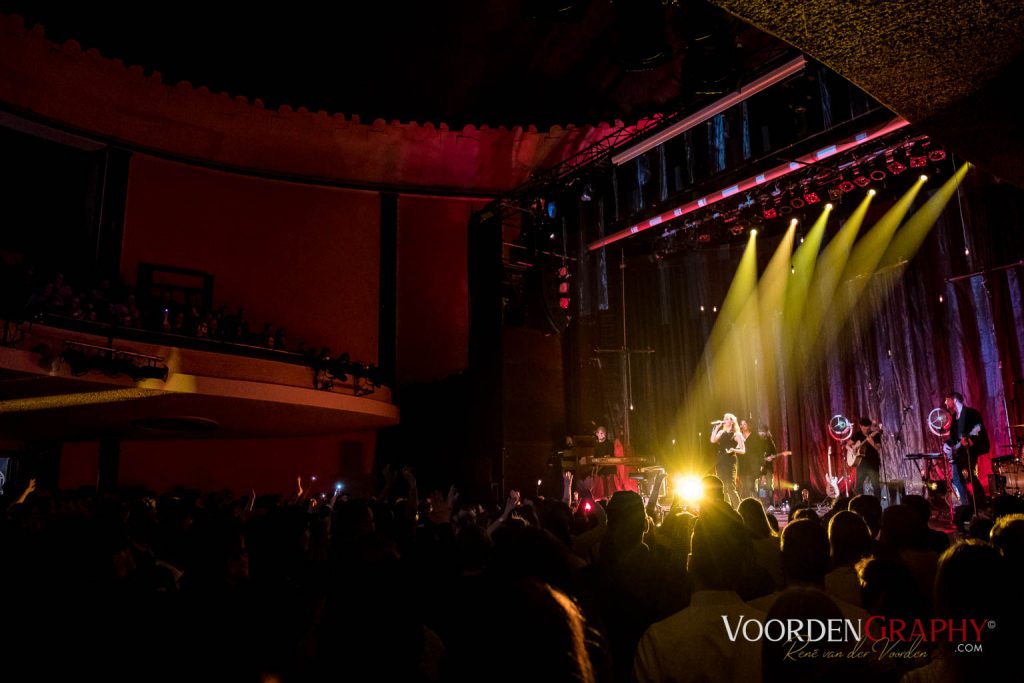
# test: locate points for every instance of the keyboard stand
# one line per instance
(931, 467)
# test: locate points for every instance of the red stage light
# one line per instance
(847, 186)
(895, 167)
(770, 213)
(563, 287)
(861, 181)
(918, 161)
(811, 197)
(563, 303)
(704, 237)
(796, 203)
(877, 175)
(937, 155)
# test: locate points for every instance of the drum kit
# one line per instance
(1008, 469)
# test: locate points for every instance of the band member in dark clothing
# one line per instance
(727, 436)
(605, 448)
(751, 462)
(865, 443)
(770, 464)
(967, 441)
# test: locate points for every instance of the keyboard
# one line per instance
(922, 456)
(613, 461)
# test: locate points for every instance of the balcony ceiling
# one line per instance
(948, 67)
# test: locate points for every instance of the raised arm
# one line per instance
(716, 433)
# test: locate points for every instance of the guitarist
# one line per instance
(865, 443)
(751, 462)
(967, 441)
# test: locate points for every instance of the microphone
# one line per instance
(718, 422)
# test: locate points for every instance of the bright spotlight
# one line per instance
(753, 233)
(871, 193)
(688, 487)
(924, 178)
(828, 207)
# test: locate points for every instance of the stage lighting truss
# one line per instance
(84, 358)
(877, 162)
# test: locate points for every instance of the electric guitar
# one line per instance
(951, 451)
(855, 451)
(780, 454)
(831, 483)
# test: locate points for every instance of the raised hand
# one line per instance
(440, 509)
(409, 477)
(513, 501)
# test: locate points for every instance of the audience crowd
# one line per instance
(401, 586)
(24, 294)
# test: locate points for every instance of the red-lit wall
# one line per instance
(433, 288)
(302, 256)
(266, 465)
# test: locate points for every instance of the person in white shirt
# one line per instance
(694, 644)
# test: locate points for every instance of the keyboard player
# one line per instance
(605, 448)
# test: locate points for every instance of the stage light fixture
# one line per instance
(797, 203)
(894, 165)
(917, 157)
(937, 155)
(770, 213)
(785, 210)
(812, 197)
(860, 180)
(878, 175)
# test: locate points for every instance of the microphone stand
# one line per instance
(971, 478)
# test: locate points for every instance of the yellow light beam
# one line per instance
(863, 263)
(827, 273)
(913, 233)
(797, 291)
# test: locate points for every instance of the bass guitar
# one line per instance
(831, 483)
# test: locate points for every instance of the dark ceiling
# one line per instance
(950, 68)
(494, 62)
